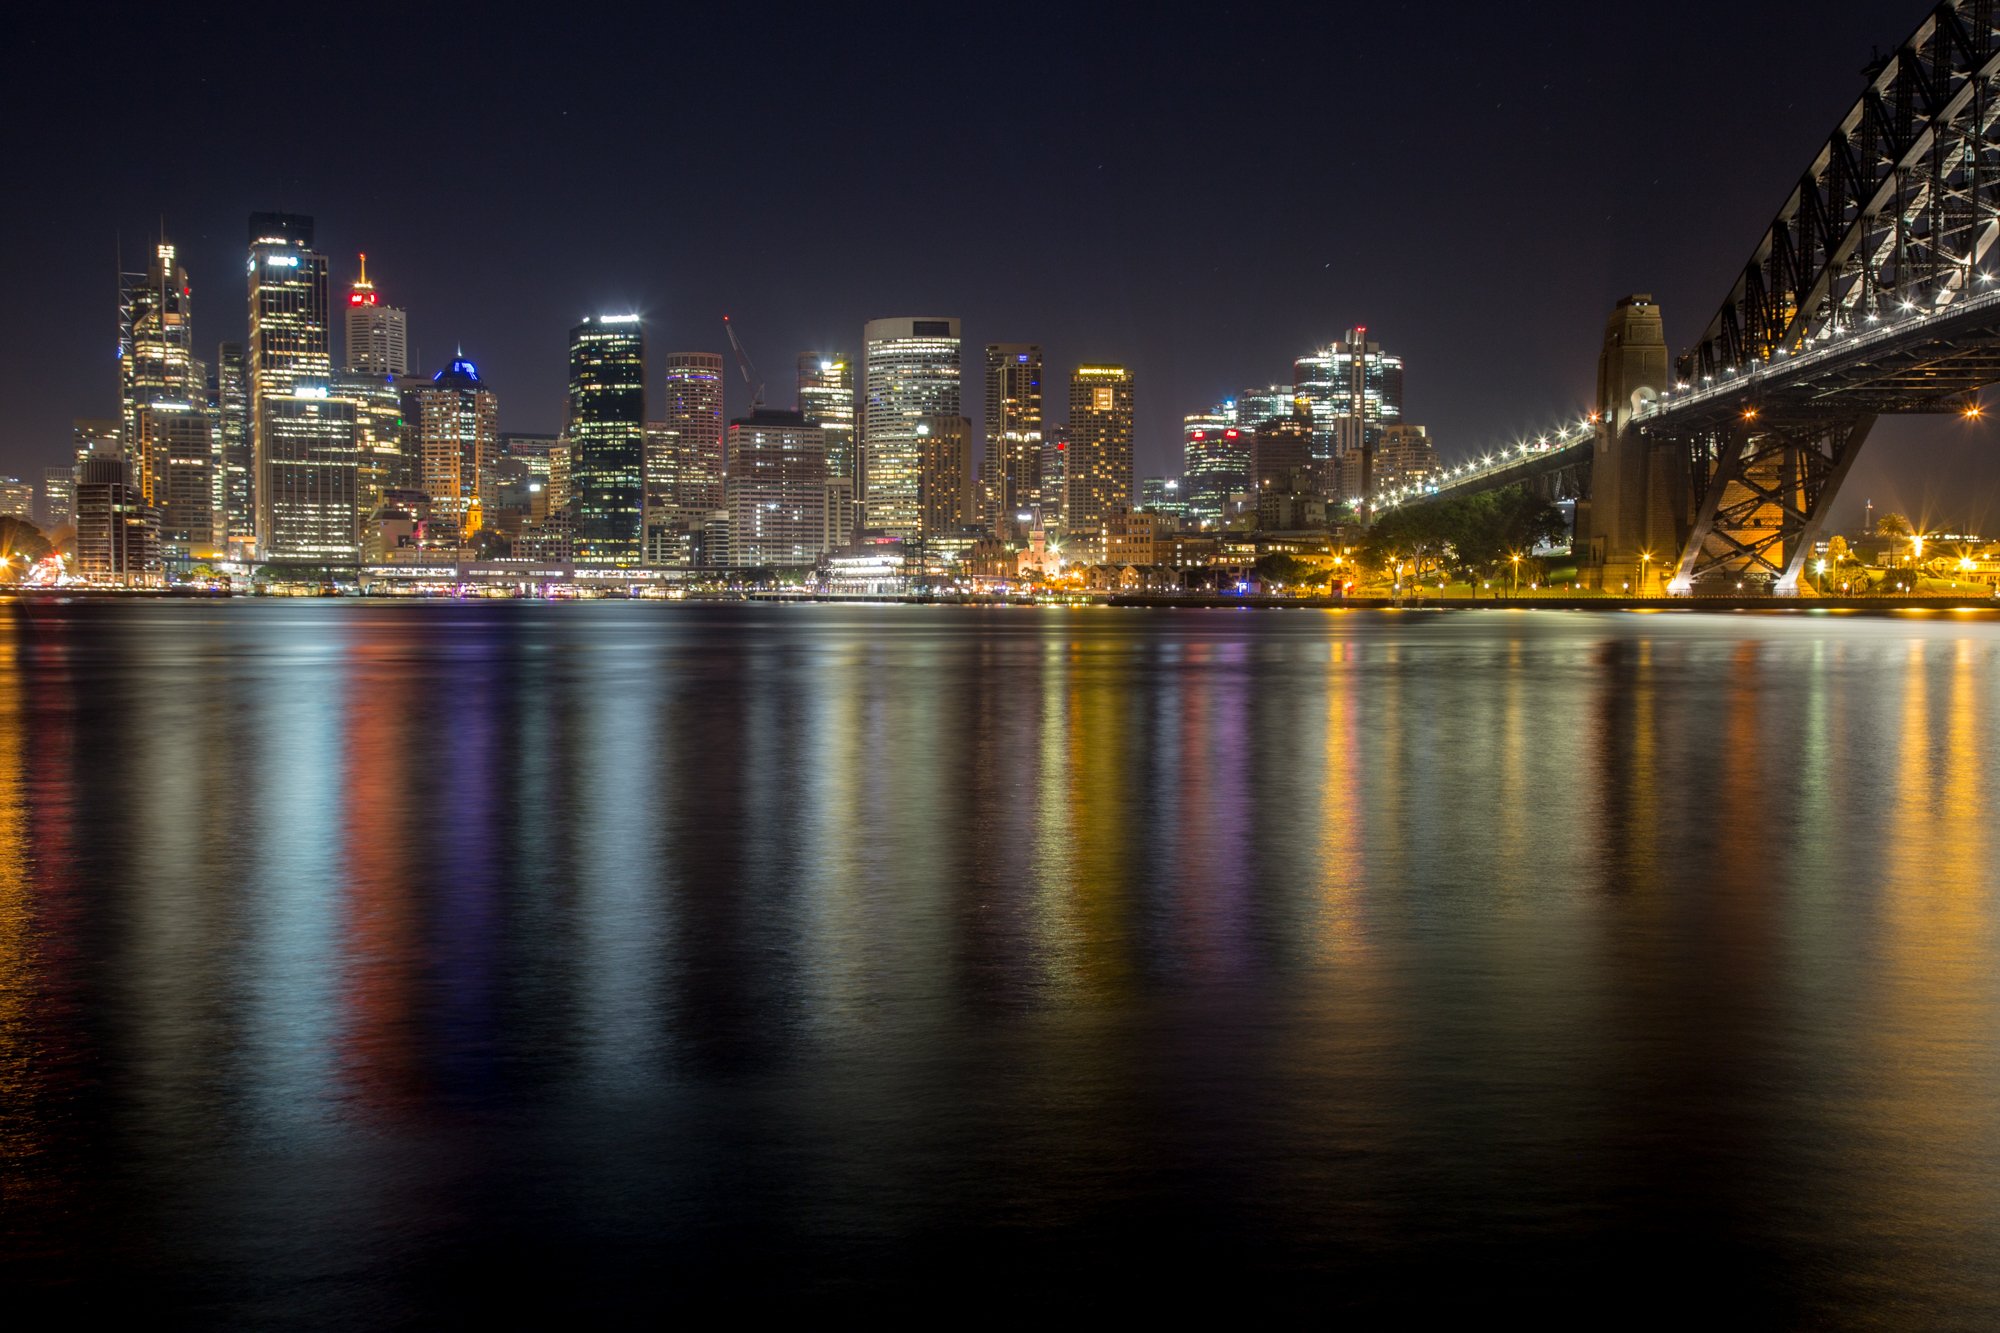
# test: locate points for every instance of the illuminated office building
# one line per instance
(378, 335)
(826, 400)
(910, 371)
(174, 451)
(58, 498)
(17, 499)
(167, 432)
(379, 434)
(1352, 391)
(156, 360)
(606, 438)
(1280, 451)
(776, 492)
(114, 533)
(454, 432)
(305, 484)
(1013, 460)
(307, 504)
(229, 409)
(946, 494)
(1162, 495)
(1253, 407)
(691, 438)
(1215, 467)
(1101, 475)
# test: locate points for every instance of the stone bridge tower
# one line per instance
(1630, 513)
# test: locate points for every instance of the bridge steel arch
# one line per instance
(1870, 292)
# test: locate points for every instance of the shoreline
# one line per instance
(1141, 601)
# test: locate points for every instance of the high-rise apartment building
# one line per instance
(378, 335)
(1101, 475)
(1405, 457)
(1281, 450)
(454, 432)
(305, 487)
(1352, 391)
(910, 371)
(1013, 460)
(946, 490)
(606, 437)
(380, 431)
(776, 491)
(691, 440)
(1053, 494)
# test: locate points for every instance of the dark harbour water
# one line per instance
(375, 963)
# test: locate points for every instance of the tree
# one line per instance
(21, 545)
(1893, 524)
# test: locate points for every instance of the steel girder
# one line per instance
(1761, 494)
(1897, 211)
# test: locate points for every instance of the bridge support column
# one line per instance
(1618, 531)
(1761, 494)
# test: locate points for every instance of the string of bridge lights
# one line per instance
(1568, 436)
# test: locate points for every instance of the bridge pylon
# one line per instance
(1626, 525)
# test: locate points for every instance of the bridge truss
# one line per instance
(1872, 291)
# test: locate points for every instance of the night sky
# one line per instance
(1201, 192)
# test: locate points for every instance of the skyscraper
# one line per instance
(911, 370)
(1353, 391)
(945, 475)
(1216, 467)
(454, 426)
(17, 499)
(156, 349)
(1013, 431)
(378, 335)
(776, 490)
(305, 484)
(58, 498)
(229, 403)
(692, 437)
(1100, 446)
(826, 400)
(606, 438)
(168, 434)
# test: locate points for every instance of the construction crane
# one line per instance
(750, 380)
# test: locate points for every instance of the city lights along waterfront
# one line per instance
(867, 667)
(431, 960)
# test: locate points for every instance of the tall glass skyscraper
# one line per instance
(606, 435)
(303, 443)
(1352, 390)
(229, 402)
(168, 432)
(911, 371)
(1013, 462)
(826, 400)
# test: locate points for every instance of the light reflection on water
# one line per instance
(350, 954)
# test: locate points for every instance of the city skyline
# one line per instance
(1499, 329)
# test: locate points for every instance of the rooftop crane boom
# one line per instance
(750, 380)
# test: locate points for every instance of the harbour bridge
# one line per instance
(1873, 291)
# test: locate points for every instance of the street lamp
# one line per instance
(1517, 573)
(1645, 570)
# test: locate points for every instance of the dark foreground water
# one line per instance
(379, 963)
